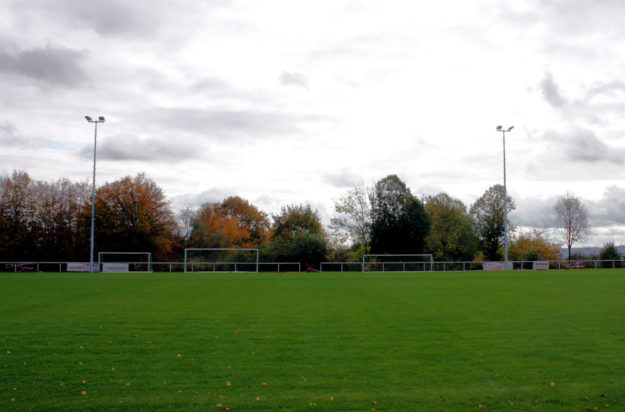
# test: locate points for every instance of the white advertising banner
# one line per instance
(493, 265)
(115, 267)
(541, 265)
(78, 266)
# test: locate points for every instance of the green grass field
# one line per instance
(548, 341)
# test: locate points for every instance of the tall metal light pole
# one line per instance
(505, 194)
(101, 119)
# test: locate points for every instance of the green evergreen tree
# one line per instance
(400, 222)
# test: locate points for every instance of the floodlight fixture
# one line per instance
(505, 194)
(95, 140)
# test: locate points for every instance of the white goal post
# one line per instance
(220, 260)
(124, 262)
(415, 262)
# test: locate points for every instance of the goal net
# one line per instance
(204, 260)
(397, 263)
(124, 262)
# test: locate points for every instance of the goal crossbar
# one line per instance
(216, 263)
(396, 261)
(147, 264)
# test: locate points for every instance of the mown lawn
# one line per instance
(548, 341)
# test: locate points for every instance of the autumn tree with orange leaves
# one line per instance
(533, 246)
(233, 223)
(132, 215)
(248, 218)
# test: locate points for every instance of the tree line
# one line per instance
(50, 221)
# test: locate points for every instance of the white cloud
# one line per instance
(218, 98)
(293, 79)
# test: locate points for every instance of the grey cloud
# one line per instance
(551, 91)
(428, 190)
(344, 178)
(596, 106)
(583, 145)
(10, 136)
(115, 17)
(233, 123)
(293, 79)
(213, 85)
(268, 202)
(216, 88)
(582, 16)
(565, 18)
(534, 212)
(213, 195)
(123, 147)
(610, 209)
(612, 88)
(110, 17)
(603, 213)
(56, 66)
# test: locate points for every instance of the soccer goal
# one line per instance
(397, 262)
(209, 260)
(124, 262)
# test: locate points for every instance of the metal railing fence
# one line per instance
(466, 266)
(52, 266)
(35, 266)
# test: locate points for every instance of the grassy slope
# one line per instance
(440, 341)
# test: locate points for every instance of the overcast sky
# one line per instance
(287, 102)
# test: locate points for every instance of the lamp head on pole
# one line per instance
(509, 128)
(101, 119)
(499, 128)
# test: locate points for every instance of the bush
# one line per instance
(609, 252)
(310, 248)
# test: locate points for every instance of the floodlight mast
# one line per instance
(101, 119)
(505, 195)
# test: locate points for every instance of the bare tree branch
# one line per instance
(572, 219)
